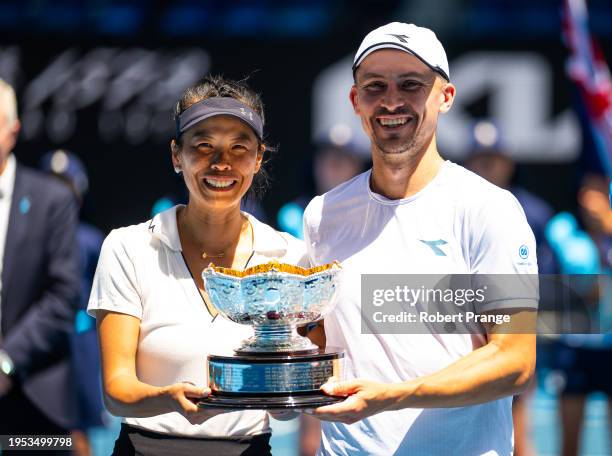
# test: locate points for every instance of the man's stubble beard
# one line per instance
(409, 150)
(401, 149)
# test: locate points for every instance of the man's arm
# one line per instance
(44, 327)
(503, 367)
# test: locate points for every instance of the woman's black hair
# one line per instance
(217, 86)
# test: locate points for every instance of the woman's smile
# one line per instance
(218, 183)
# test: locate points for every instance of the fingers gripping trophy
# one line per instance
(276, 368)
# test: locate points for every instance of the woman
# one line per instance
(155, 323)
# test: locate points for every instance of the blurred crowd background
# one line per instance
(96, 80)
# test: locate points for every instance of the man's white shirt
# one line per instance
(474, 228)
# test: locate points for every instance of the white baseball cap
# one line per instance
(418, 41)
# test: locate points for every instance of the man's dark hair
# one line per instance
(217, 86)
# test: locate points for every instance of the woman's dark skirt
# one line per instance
(139, 442)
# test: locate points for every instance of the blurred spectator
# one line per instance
(336, 160)
(39, 291)
(596, 214)
(488, 159)
(163, 203)
(84, 342)
(582, 361)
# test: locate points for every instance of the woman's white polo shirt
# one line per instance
(141, 272)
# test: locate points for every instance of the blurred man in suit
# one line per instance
(69, 169)
(39, 287)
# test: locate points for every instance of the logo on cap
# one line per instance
(244, 113)
(402, 38)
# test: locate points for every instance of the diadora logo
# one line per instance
(523, 251)
(402, 38)
(435, 246)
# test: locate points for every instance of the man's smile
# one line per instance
(393, 122)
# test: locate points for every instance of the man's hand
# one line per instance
(6, 384)
(364, 398)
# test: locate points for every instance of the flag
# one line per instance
(587, 68)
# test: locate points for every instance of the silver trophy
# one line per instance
(276, 367)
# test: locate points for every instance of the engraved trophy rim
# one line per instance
(273, 267)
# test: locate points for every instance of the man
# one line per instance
(582, 361)
(39, 287)
(418, 394)
(85, 359)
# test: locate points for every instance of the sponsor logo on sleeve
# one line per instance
(524, 256)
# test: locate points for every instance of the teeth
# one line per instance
(396, 121)
(219, 183)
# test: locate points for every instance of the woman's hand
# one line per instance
(184, 397)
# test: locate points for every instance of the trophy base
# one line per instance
(272, 380)
(270, 403)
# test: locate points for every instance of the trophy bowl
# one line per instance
(275, 299)
(276, 367)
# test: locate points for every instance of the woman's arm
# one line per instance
(124, 394)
